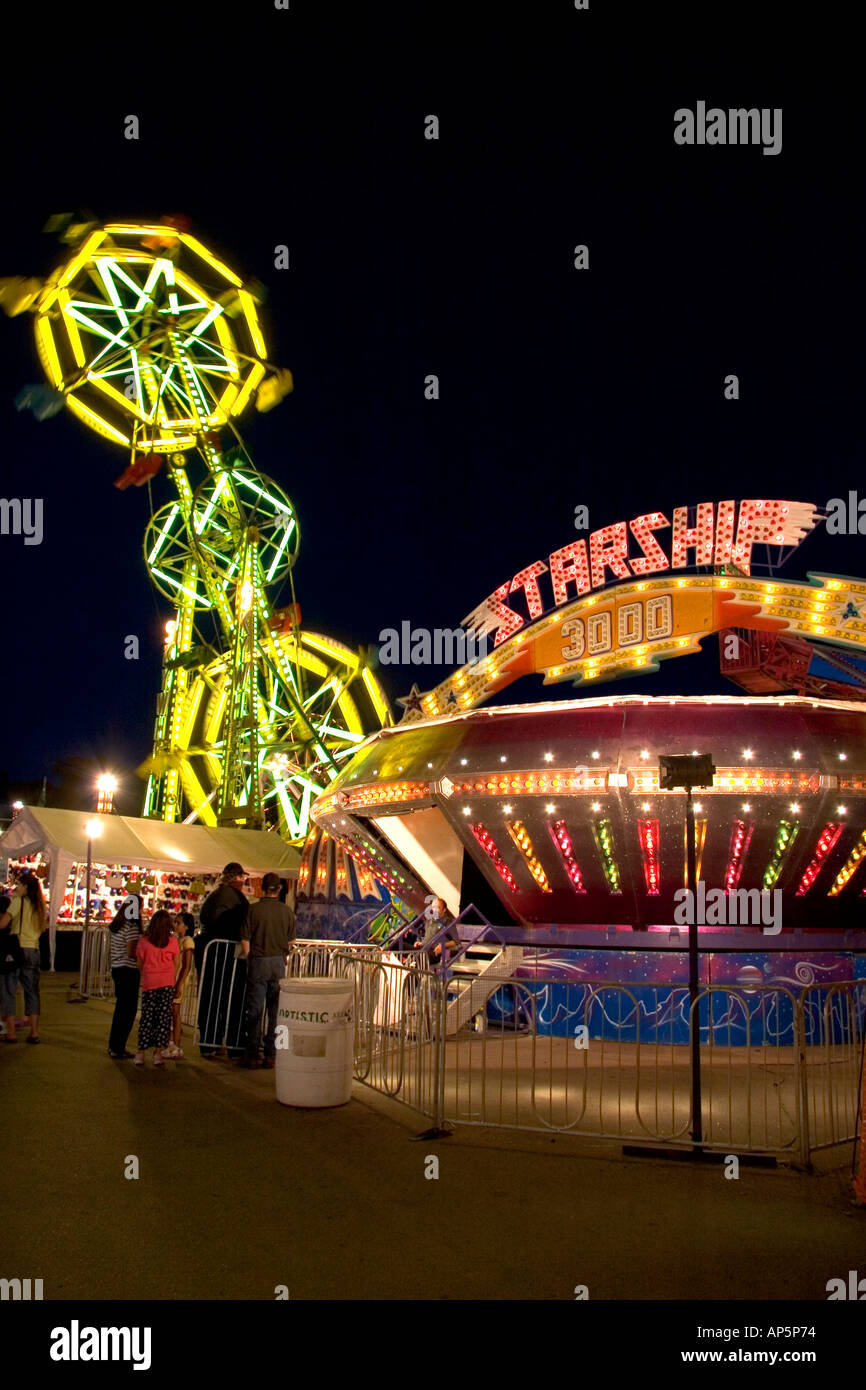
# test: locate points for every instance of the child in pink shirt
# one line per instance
(157, 954)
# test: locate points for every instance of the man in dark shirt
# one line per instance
(221, 990)
(265, 941)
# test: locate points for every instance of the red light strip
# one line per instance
(741, 837)
(342, 871)
(366, 881)
(826, 841)
(304, 870)
(648, 836)
(485, 840)
(322, 868)
(562, 840)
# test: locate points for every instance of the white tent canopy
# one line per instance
(150, 844)
(61, 838)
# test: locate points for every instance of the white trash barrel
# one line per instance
(315, 1038)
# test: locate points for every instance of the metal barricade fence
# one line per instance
(223, 1012)
(606, 1060)
(832, 1027)
(750, 1069)
(217, 1014)
(94, 980)
(399, 1015)
(612, 1061)
(780, 1065)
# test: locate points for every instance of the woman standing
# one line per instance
(125, 930)
(184, 925)
(10, 964)
(157, 952)
(26, 916)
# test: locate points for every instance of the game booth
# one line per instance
(172, 866)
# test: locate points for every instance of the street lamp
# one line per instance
(106, 786)
(688, 771)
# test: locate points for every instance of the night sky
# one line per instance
(454, 257)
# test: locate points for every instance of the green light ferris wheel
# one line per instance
(156, 344)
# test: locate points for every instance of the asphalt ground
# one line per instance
(237, 1195)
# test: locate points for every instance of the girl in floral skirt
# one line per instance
(157, 953)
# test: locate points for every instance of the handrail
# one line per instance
(391, 943)
(369, 913)
(488, 931)
(381, 927)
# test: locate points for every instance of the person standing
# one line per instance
(125, 930)
(222, 977)
(158, 953)
(11, 961)
(265, 941)
(436, 918)
(184, 925)
(27, 917)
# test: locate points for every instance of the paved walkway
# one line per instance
(238, 1194)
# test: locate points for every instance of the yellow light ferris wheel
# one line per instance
(154, 343)
(141, 351)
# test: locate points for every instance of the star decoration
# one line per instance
(411, 702)
(452, 698)
(282, 520)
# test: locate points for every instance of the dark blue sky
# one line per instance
(453, 257)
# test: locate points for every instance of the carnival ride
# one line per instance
(156, 345)
(553, 815)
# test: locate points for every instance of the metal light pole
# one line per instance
(689, 771)
(694, 973)
(93, 829)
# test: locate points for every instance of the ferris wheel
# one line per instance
(154, 343)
